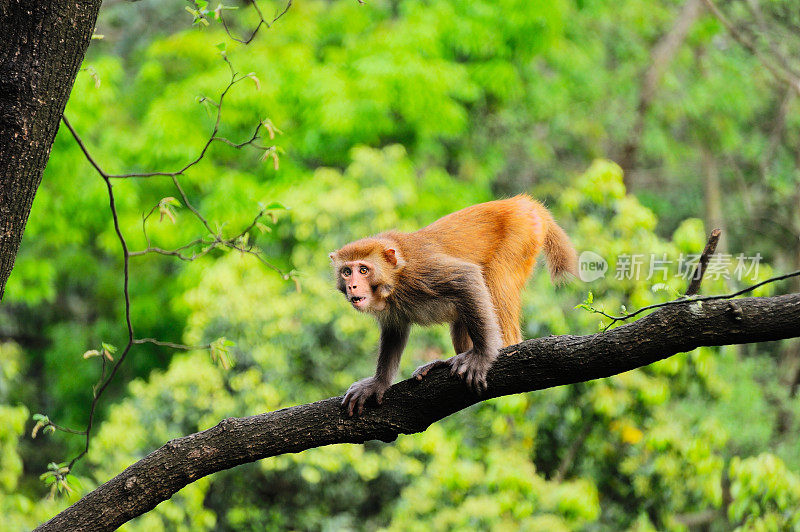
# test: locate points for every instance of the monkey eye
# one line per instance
(346, 272)
(363, 270)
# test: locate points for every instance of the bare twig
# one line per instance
(262, 21)
(694, 286)
(125, 290)
(213, 137)
(684, 300)
(172, 345)
(700, 270)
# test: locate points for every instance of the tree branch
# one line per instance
(411, 406)
(262, 21)
(781, 74)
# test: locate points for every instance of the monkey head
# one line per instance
(366, 272)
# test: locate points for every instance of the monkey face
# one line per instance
(366, 272)
(357, 280)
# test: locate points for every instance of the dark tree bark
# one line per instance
(411, 406)
(42, 45)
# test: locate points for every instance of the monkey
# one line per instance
(466, 269)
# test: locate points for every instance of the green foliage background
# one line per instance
(393, 114)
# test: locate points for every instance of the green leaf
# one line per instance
(108, 347)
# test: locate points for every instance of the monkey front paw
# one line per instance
(360, 391)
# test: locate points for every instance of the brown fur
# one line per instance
(467, 268)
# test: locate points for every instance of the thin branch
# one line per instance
(65, 429)
(172, 345)
(783, 75)
(82, 146)
(213, 137)
(125, 291)
(207, 245)
(261, 22)
(684, 300)
(701, 518)
(660, 58)
(767, 35)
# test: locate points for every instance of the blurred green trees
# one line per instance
(393, 114)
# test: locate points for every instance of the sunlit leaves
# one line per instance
(271, 153)
(766, 495)
(199, 13)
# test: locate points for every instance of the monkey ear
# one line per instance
(332, 256)
(391, 256)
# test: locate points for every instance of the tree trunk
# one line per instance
(42, 45)
(411, 406)
(660, 58)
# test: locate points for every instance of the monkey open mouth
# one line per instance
(357, 300)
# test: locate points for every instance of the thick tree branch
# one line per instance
(411, 406)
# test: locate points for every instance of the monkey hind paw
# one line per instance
(467, 366)
(422, 371)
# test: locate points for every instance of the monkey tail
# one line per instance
(562, 259)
